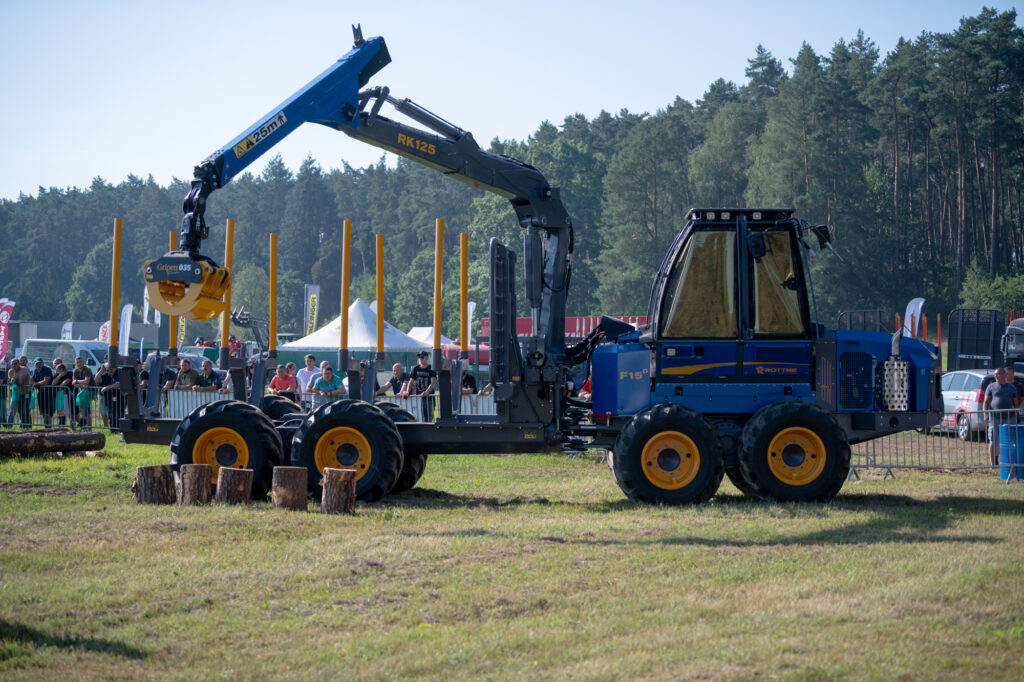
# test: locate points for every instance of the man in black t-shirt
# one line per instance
(421, 382)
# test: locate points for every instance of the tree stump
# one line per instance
(289, 488)
(42, 441)
(234, 486)
(339, 492)
(196, 484)
(154, 485)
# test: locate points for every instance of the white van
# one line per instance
(67, 350)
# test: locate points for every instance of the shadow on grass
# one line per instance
(895, 519)
(15, 632)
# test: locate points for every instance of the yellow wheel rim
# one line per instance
(343, 448)
(796, 456)
(221, 447)
(670, 460)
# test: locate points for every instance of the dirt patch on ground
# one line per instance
(28, 489)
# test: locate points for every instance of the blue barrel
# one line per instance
(1011, 451)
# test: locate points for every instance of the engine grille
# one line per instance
(856, 381)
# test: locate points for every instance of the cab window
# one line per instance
(776, 289)
(700, 295)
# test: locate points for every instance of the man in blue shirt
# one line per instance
(329, 385)
(41, 378)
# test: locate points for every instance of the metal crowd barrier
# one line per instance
(88, 408)
(470, 404)
(959, 441)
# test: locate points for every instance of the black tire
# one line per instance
(350, 434)
(277, 406)
(668, 454)
(963, 428)
(729, 435)
(792, 451)
(414, 463)
(229, 433)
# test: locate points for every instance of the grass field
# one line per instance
(530, 567)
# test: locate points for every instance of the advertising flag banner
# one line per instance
(126, 329)
(312, 307)
(104, 334)
(6, 310)
(182, 321)
(65, 331)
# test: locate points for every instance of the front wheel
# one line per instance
(794, 452)
(963, 427)
(229, 433)
(668, 454)
(350, 434)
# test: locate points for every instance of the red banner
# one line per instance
(6, 309)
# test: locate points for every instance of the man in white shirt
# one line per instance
(305, 378)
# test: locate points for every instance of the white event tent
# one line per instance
(362, 334)
(426, 335)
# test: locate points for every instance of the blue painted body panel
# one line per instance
(770, 371)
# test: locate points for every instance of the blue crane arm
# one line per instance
(331, 99)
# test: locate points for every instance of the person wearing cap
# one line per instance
(421, 382)
(328, 385)
(41, 379)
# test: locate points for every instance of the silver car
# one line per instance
(963, 402)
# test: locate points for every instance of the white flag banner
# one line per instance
(126, 329)
(912, 317)
(65, 331)
(104, 333)
(145, 308)
(470, 309)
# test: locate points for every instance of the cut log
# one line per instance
(234, 486)
(196, 484)
(41, 441)
(154, 485)
(339, 492)
(289, 488)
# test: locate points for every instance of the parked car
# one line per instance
(963, 402)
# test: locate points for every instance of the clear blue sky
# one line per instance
(107, 88)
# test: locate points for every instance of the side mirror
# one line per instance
(756, 246)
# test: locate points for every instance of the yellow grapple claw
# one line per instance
(179, 285)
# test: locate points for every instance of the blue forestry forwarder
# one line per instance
(731, 375)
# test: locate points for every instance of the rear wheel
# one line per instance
(794, 452)
(414, 463)
(350, 434)
(229, 433)
(668, 454)
(277, 406)
(729, 435)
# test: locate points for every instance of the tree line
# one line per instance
(915, 161)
